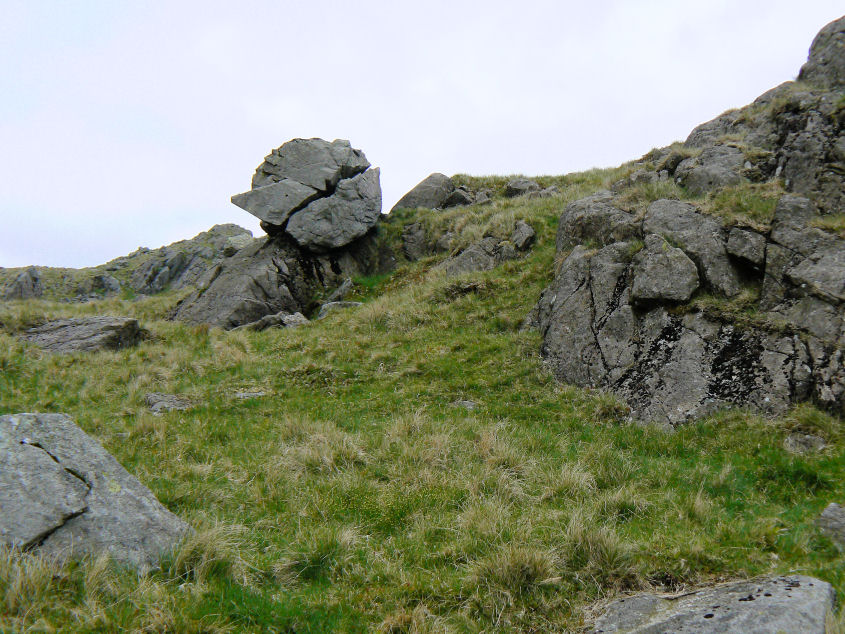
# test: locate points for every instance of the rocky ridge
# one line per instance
(623, 314)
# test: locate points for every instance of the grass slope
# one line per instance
(355, 496)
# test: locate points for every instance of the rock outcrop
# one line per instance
(86, 334)
(64, 495)
(27, 285)
(431, 193)
(832, 523)
(489, 252)
(622, 313)
(311, 247)
(776, 604)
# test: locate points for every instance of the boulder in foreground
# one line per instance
(775, 604)
(86, 334)
(64, 495)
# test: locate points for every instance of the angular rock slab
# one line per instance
(274, 203)
(312, 162)
(431, 193)
(86, 334)
(348, 214)
(760, 606)
(70, 497)
(662, 273)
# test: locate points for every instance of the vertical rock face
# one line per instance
(65, 495)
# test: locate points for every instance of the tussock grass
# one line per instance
(354, 496)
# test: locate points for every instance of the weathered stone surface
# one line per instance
(700, 237)
(662, 273)
(548, 192)
(236, 243)
(832, 523)
(595, 218)
(67, 496)
(481, 256)
(340, 293)
(521, 187)
(638, 177)
(279, 320)
(334, 222)
(274, 203)
(431, 193)
(160, 403)
(748, 246)
(826, 64)
(715, 167)
(100, 284)
(414, 243)
(460, 197)
(792, 603)
(27, 285)
(85, 334)
(312, 162)
(523, 235)
(444, 242)
(801, 443)
(330, 307)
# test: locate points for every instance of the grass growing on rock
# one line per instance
(357, 495)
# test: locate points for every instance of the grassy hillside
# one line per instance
(355, 495)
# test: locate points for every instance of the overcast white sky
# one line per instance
(131, 123)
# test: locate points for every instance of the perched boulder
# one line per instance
(662, 273)
(86, 334)
(64, 495)
(431, 193)
(27, 285)
(314, 163)
(792, 603)
(521, 187)
(333, 222)
(160, 403)
(274, 203)
(832, 524)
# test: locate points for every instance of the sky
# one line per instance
(132, 123)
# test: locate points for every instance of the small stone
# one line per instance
(832, 523)
(249, 394)
(520, 187)
(331, 307)
(467, 405)
(160, 403)
(801, 443)
(523, 235)
(461, 197)
(747, 245)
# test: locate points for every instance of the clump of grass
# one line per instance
(318, 554)
(748, 204)
(832, 223)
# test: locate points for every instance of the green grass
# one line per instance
(354, 496)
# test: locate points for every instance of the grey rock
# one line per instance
(414, 243)
(716, 167)
(27, 285)
(247, 395)
(312, 162)
(481, 256)
(460, 197)
(85, 334)
(334, 222)
(699, 236)
(638, 177)
(594, 218)
(521, 187)
(792, 603)
(548, 192)
(822, 274)
(340, 293)
(832, 524)
(274, 203)
(160, 403)
(670, 162)
(748, 246)
(431, 193)
(467, 405)
(444, 242)
(483, 197)
(826, 64)
(523, 235)
(327, 309)
(67, 496)
(801, 443)
(279, 320)
(100, 284)
(236, 243)
(662, 273)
